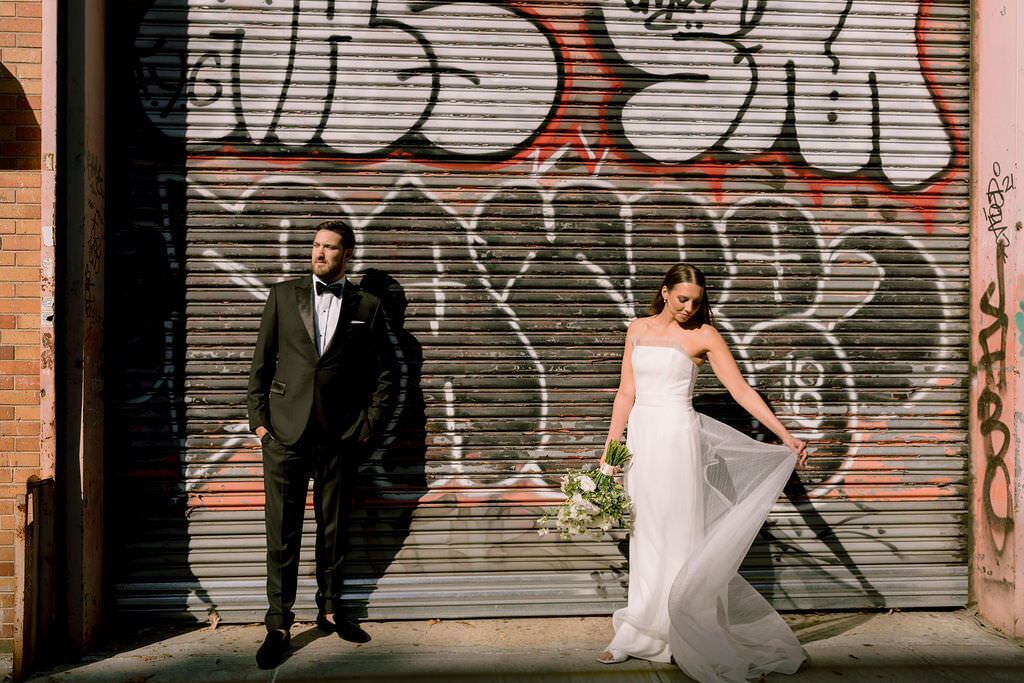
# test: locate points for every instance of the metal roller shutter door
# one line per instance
(519, 175)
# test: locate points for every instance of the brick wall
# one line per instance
(20, 107)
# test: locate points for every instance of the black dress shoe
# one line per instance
(346, 630)
(323, 624)
(350, 631)
(273, 648)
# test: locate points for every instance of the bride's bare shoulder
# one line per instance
(638, 324)
(709, 335)
(707, 328)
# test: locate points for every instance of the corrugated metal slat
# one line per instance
(520, 174)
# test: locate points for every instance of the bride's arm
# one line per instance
(729, 374)
(625, 393)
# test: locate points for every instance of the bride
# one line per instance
(700, 492)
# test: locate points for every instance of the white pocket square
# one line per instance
(358, 322)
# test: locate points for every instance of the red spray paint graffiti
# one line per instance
(702, 107)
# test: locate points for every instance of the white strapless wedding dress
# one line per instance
(701, 491)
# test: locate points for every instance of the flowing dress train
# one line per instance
(701, 491)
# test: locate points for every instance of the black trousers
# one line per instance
(286, 474)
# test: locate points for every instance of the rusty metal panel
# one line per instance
(519, 175)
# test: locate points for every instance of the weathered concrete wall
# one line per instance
(997, 313)
(80, 319)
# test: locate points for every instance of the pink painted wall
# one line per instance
(997, 313)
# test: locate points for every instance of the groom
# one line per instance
(320, 386)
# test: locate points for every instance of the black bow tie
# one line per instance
(334, 288)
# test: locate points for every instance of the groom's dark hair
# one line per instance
(336, 225)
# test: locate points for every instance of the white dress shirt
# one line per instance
(326, 310)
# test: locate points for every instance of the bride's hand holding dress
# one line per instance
(711, 345)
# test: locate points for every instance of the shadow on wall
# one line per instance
(163, 549)
(150, 547)
(776, 551)
(394, 479)
(19, 129)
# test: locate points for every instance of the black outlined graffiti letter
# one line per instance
(741, 77)
(352, 77)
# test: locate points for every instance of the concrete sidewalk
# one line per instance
(841, 646)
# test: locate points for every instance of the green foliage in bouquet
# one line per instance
(617, 455)
(594, 502)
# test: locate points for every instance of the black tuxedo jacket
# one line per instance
(346, 393)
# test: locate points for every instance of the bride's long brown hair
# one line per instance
(684, 272)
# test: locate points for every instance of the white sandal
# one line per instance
(617, 657)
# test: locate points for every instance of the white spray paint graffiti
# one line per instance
(800, 380)
(312, 73)
(469, 79)
(258, 288)
(733, 82)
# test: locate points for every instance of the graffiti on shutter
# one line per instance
(520, 174)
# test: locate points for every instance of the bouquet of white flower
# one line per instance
(594, 501)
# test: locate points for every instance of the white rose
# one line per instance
(587, 484)
(584, 505)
